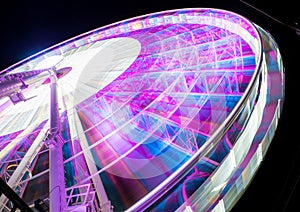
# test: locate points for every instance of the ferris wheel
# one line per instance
(170, 111)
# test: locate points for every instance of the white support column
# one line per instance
(55, 142)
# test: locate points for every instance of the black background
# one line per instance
(28, 27)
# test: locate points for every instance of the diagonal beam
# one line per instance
(17, 201)
(10, 147)
(26, 161)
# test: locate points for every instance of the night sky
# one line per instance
(28, 27)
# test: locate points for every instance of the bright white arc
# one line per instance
(94, 66)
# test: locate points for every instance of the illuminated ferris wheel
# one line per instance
(170, 111)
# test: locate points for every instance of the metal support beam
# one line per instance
(55, 142)
(12, 196)
(26, 162)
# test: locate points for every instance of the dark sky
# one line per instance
(28, 27)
